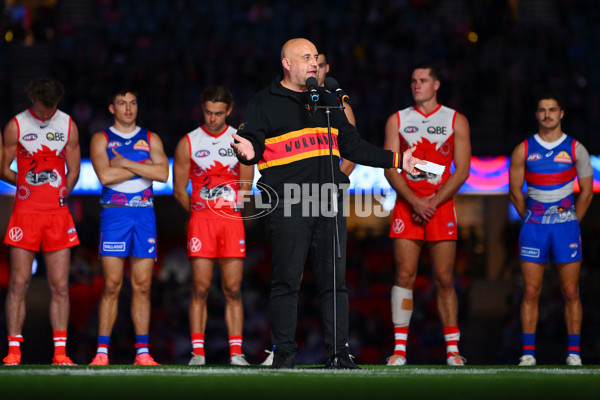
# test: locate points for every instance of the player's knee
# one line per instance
(405, 279)
(233, 294)
(59, 290)
(200, 292)
(444, 283)
(112, 288)
(531, 293)
(571, 293)
(18, 287)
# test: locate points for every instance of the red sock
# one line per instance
(400, 338)
(235, 345)
(452, 336)
(198, 343)
(14, 344)
(60, 343)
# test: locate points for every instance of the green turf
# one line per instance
(369, 383)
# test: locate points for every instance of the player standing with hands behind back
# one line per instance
(424, 210)
(549, 162)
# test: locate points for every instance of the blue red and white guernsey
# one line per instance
(137, 191)
(550, 172)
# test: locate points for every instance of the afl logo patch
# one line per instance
(30, 137)
(195, 245)
(534, 157)
(15, 234)
(411, 129)
(113, 144)
(202, 153)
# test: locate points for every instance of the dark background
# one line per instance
(495, 57)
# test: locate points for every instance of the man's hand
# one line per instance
(409, 162)
(423, 210)
(243, 148)
(118, 160)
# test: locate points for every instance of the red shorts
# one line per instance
(39, 231)
(441, 227)
(216, 238)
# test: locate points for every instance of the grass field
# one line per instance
(308, 383)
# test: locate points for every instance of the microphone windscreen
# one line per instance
(331, 84)
(311, 83)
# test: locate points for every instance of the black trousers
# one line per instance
(291, 238)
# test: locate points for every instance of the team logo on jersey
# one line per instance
(538, 208)
(242, 126)
(398, 226)
(220, 191)
(573, 245)
(563, 157)
(71, 231)
(56, 136)
(15, 234)
(113, 144)
(202, 153)
(152, 241)
(23, 192)
(51, 177)
(195, 244)
(141, 145)
(534, 157)
(411, 129)
(30, 137)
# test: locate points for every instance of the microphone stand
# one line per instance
(336, 248)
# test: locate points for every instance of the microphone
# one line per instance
(333, 86)
(311, 85)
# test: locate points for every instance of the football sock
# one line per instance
(529, 344)
(60, 342)
(141, 344)
(235, 345)
(574, 345)
(400, 337)
(451, 336)
(14, 344)
(198, 344)
(103, 342)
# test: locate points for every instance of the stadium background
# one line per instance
(495, 55)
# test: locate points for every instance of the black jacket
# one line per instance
(291, 143)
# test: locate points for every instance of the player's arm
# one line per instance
(347, 166)
(181, 174)
(585, 177)
(72, 158)
(107, 174)
(516, 179)
(11, 134)
(246, 178)
(462, 162)
(158, 167)
(392, 142)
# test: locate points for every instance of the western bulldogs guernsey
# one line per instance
(433, 135)
(135, 192)
(550, 172)
(214, 172)
(41, 178)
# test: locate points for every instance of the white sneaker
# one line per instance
(456, 360)
(527, 361)
(197, 360)
(269, 360)
(573, 359)
(238, 359)
(396, 360)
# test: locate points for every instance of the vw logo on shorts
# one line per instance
(15, 234)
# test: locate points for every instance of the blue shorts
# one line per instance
(541, 242)
(128, 231)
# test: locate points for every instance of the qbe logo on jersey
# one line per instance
(15, 234)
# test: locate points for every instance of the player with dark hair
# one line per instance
(549, 162)
(127, 159)
(43, 139)
(424, 210)
(215, 229)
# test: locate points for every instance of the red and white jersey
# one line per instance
(433, 135)
(214, 172)
(41, 177)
